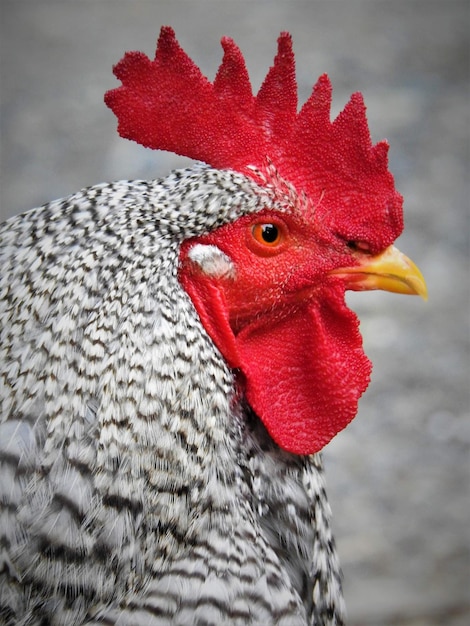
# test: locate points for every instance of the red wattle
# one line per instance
(305, 374)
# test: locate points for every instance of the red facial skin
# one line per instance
(281, 319)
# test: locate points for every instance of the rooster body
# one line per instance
(151, 470)
(119, 511)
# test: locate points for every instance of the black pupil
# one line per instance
(270, 233)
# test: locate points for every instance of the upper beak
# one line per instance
(391, 271)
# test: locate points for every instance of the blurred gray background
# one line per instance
(399, 475)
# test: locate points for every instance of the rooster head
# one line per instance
(269, 287)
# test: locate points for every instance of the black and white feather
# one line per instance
(137, 487)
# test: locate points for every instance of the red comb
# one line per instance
(168, 104)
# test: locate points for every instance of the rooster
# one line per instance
(175, 354)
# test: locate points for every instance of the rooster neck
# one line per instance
(288, 498)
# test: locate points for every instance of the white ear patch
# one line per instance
(212, 261)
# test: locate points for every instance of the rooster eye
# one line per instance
(267, 234)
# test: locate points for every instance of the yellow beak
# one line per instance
(391, 271)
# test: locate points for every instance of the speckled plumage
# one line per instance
(137, 486)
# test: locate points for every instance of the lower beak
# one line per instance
(391, 271)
